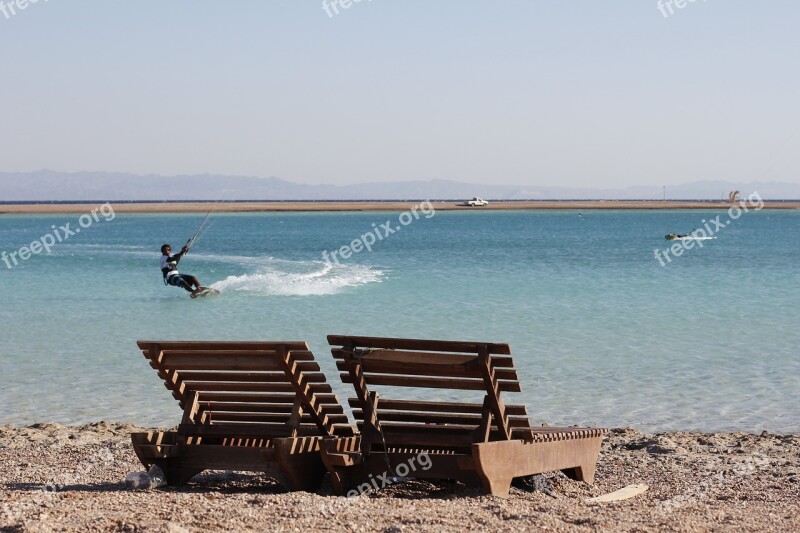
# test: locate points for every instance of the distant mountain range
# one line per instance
(47, 185)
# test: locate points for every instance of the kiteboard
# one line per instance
(207, 291)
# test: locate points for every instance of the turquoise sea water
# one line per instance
(601, 332)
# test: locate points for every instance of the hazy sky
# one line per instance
(569, 92)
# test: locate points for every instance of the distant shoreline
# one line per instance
(319, 206)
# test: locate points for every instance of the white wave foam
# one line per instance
(253, 261)
(300, 278)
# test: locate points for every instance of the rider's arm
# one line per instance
(177, 257)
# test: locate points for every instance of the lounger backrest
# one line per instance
(247, 389)
(369, 363)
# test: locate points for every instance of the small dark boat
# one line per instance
(675, 237)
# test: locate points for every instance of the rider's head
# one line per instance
(166, 249)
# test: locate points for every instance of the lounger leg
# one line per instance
(337, 477)
(496, 464)
(300, 463)
(341, 476)
(178, 476)
(302, 473)
(144, 445)
(496, 485)
(584, 472)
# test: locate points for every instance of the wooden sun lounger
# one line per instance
(486, 443)
(247, 406)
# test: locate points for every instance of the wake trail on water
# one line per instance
(273, 276)
(264, 275)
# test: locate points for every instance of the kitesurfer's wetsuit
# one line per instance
(169, 268)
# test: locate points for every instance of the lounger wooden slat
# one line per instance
(256, 397)
(219, 417)
(254, 430)
(305, 366)
(222, 362)
(257, 377)
(428, 368)
(200, 354)
(423, 345)
(406, 416)
(172, 359)
(249, 406)
(253, 377)
(439, 418)
(397, 428)
(487, 442)
(228, 416)
(293, 346)
(389, 428)
(405, 356)
(235, 407)
(446, 407)
(431, 383)
(262, 430)
(224, 386)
